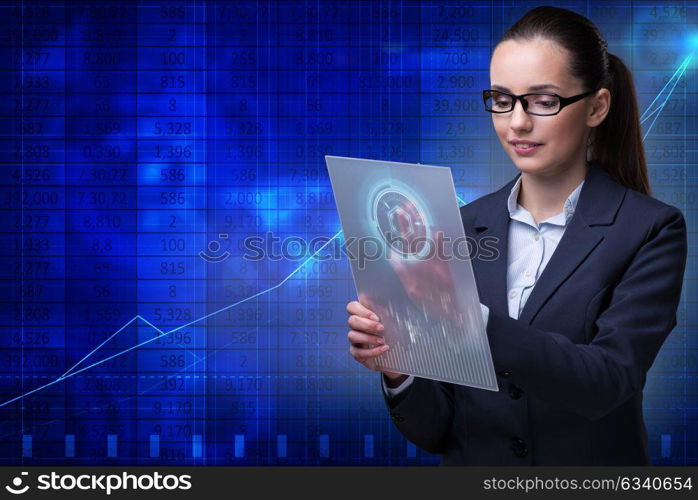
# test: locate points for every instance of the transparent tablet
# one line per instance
(410, 261)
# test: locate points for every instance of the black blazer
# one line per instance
(572, 368)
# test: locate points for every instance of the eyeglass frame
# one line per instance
(564, 101)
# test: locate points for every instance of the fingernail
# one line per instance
(381, 327)
(385, 347)
(381, 341)
(374, 317)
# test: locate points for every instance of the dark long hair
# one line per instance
(617, 141)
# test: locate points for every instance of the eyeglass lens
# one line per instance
(542, 104)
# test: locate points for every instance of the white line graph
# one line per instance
(72, 372)
(650, 111)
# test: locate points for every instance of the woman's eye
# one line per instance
(547, 104)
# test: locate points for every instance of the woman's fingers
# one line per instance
(362, 354)
(358, 309)
(364, 338)
(366, 331)
(364, 324)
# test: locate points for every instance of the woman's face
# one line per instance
(517, 66)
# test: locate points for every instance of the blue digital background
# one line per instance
(142, 142)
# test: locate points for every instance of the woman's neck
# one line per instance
(544, 196)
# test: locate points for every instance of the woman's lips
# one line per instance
(528, 151)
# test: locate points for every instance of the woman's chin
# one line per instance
(529, 165)
(537, 168)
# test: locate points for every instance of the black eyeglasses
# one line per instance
(533, 104)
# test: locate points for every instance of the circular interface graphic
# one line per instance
(400, 222)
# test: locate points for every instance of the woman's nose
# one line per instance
(519, 117)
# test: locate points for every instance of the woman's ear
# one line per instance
(600, 106)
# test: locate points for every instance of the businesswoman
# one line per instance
(589, 274)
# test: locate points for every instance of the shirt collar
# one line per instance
(518, 212)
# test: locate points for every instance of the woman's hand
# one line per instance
(366, 339)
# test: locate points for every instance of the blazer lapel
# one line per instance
(598, 204)
(492, 226)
